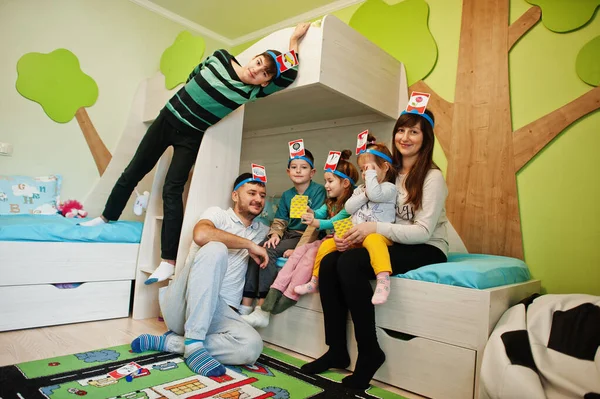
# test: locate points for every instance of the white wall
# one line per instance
(118, 44)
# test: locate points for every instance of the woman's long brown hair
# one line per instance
(416, 176)
(334, 205)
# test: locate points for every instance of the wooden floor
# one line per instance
(40, 343)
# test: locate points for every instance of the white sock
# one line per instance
(245, 310)
(94, 222)
(259, 318)
(162, 272)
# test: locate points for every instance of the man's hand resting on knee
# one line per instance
(259, 254)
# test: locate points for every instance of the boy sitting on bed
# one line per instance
(215, 88)
(286, 233)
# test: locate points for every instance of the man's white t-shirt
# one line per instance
(233, 283)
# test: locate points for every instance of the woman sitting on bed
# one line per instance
(419, 238)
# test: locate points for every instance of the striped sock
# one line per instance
(147, 342)
(200, 361)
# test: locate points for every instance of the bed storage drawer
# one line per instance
(424, 366)
(26, 263)
(26, 306)
(417, 364)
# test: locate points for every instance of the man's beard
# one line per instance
(250, 213)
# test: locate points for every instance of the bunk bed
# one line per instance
(433, 334)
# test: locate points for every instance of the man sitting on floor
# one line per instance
(200, 304)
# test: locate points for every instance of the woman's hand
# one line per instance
(357, 234)
(341, 244)
(273, 241)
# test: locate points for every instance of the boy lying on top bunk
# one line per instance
(215, 88)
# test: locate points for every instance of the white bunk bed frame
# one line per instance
(433, 335)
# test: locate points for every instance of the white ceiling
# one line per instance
(238, 21)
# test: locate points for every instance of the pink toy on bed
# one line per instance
(72, 209)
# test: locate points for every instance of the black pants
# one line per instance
(160, 135)
(258, 281)
(344, 285)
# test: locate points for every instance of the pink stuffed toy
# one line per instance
(72, 209)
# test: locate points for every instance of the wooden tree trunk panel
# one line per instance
(99, 151)
(483, 204)
(532, 138)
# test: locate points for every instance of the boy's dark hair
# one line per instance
(307, 154)
(372, 143)
(245, 176)
(270, 62)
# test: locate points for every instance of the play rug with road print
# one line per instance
(102, 374)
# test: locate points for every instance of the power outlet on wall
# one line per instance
(6, 149)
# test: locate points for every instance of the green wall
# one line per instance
(559, 190)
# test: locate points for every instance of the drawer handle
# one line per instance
(397, 334)
(67, 286)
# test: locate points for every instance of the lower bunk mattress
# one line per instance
(55, 228)
(468, 270)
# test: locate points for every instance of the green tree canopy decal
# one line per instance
(588, 62)
(56, 81)
(565, 15)
(180, 58)
(402, 31)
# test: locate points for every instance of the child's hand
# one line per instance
(259, 254)
(273, 241)
(308, 217)
(300, 30)
(288, 253)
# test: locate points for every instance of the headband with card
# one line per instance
(417, 104)
(297, 152)
(284, 61)
(361, 147)
(259, 175)
(331, 164)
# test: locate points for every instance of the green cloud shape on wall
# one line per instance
(565, 15)
(181, 58)
(402, 31)
(56, 81)
(588, 62)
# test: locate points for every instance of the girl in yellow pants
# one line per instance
(375, 201)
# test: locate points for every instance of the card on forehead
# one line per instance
(332, 160)
(296, 148)
(287, 60)
(361, 141)
(342, 226)
(298, 206)
(417, 101)
(259, 173)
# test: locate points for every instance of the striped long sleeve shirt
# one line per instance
(213, 90)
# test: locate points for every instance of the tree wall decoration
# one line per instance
(475, 131)
(56, 81)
